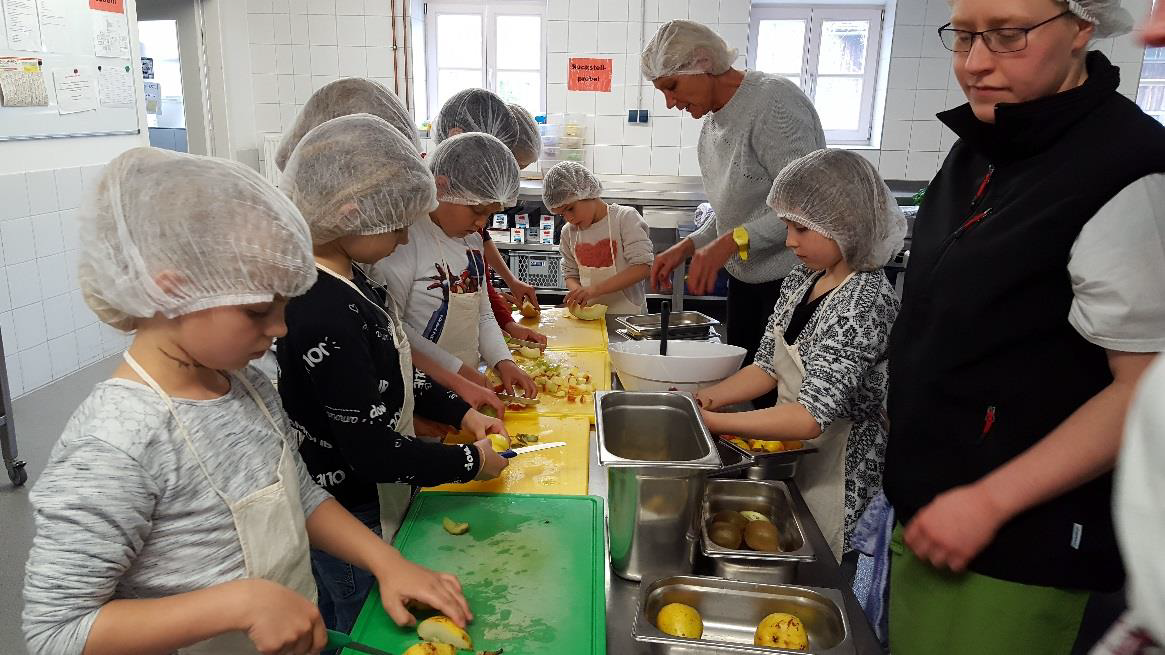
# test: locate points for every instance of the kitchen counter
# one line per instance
(623, 595)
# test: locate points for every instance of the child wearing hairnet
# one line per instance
(345, 366)
(479, 110)
(174, 513)
(825, 348)
(438, 277)
(606, 250)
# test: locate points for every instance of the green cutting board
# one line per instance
(531, 567)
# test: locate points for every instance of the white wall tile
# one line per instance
(907, 41)
(583, 37)
(350, 30)
(929, 103)
(29, 325)
(611, 40)
(325, 60)
(8, 331)
(353, 62)
(281, 29)
(349, 7)
(900, 105)
(63, 355)
(556, 68)
(735, 11)
(671, 10)
(896, 135)
(46, 230)
(82, 315)
(288, 114)
(555, 98)
(704, 11)
(378, 30)
(42, 192)
(909, 12)
(924, 136)
(938, 12)
(36, 367)
(261, 28)
(321, 30)
(735, 35)
(377, 8)
(583, 10)
(14, 191)
(111, 339)
(68, 187)
(872, 156)
(16, 237)
(279, 6)
(611, 104)
(637, 134)
(379, 62)
(933, 73)
(650, 10)
(665, 161)
(1127, 49)
(88, 344)
(297, 7)
(557, 38)
(15, 379)
(54, 275)
(689, 161)
(265, 88)
(322, 7)
(903, 73)
(893, 164)
(259, 6)
(72, 263)
(921, 165)
(955, 97)
(665, 131)
(58, 316)
(5, 299)
(690, 130)
(558, 9)
(299, 31)
(284, 59)
(287, 89)
(932, 45)
(580, 102)
(262, 59)
(637, 160)
(267, 118)
(613, 10)
(608, 159)
(303, 89)
(23, 284)
(609, 130)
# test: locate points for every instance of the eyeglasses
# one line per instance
(999, 40)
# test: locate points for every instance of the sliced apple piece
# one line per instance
(442, 629)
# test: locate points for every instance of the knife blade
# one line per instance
(338, 640)
(514, 452)
(519, 400)
(513, 341)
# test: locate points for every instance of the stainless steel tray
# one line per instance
(783, 457)
(731, 610)
(681, 324)
(772, 499)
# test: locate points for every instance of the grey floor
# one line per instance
(39, 418)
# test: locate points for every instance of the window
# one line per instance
(831, 53)
(498, 46)
(1151, 91)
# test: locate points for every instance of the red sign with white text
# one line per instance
(589, 74)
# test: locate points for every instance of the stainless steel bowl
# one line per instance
(731, 611)
(774, 501)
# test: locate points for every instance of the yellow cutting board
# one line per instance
(552, 471)
(565, 332)
(597, 363)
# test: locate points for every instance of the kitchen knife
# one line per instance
(519, 400)
(338, 640)
(522, 342)
(514, 452)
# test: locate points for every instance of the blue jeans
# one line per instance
(343, 587)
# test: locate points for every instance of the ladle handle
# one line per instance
(664, 321)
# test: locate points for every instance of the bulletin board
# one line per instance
(67, 69)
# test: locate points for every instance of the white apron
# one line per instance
(820, 476)
(270, 524)
(394, 497)
(461, 335)
(616, 301)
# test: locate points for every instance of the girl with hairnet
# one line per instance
(174, 513)
(345, 366)
(1031, 308)
(754, 124)
(479, 110)
(438, 277)
(610, 271)
(825, 349)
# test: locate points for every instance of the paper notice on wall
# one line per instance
(153, 98)
(22, 83)
(585, 74)
(55, 28)
(115, 85)
(110, 34)
(76, 89)
(22, 24)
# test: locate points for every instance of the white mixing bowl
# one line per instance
(688, 365)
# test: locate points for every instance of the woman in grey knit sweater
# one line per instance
(756, 124)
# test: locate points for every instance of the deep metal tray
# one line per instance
(681, 324)
(783, 457)
(772, 499)
(731, 610)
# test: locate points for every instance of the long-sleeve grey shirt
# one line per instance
(768, 123)
(631, 247)
(123, 510)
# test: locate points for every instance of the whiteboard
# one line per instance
(75, 51)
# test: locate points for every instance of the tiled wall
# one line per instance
(297, 46)
(48, 330)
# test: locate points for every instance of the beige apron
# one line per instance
(616, 301)
(394, 497)
(270, 524)
(820, 476)
(461, 334)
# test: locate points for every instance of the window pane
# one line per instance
(459, 41)
(522, 88)
(450, 82)
(519, 42)
(839, 102)
(843, 46)
(780, 46)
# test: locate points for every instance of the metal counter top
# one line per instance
(623, 595)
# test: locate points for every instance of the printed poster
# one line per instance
(587, 74)
(115, 85)
(23, 26)
(76, 90)
(22, 82)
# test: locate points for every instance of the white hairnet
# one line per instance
(171, 234)
(567, 182)
(358, 175)
(529, 143)
(476, 110)
(684, 47)
(353, 95)
(479, 170)
(1108, 17)
(839, 194)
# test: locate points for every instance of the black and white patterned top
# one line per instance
(843, 350)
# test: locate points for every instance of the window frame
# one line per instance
(489, 14)
(815, 16)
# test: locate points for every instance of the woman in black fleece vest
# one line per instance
(1031, 308)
